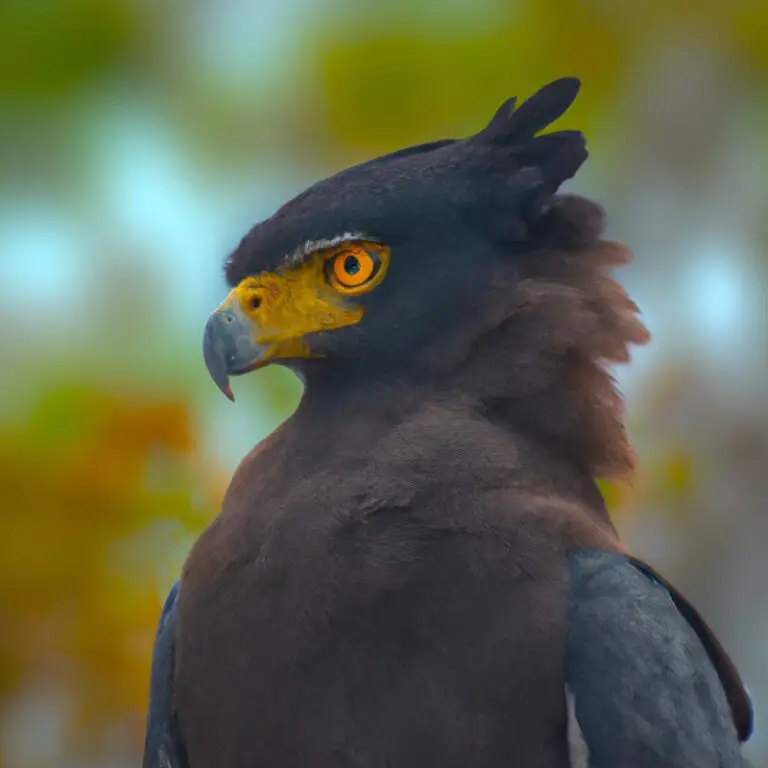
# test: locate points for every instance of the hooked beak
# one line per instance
(229, 348)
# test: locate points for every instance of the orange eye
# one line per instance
(355, 269)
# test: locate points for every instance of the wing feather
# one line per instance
(163, 747)
(645, 689)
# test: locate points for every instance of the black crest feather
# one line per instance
(544, 161)
(516, 126)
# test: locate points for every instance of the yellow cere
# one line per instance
(291, 303)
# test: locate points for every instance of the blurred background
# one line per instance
(140, 140)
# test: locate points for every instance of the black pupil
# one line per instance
(351, 265)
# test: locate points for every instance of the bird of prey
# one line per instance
(417, 569)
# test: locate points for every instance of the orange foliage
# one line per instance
(96, 491)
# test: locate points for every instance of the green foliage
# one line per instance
(52, 50)
(392, 84)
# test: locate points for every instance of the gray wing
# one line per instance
(163, 747)
(647, 683)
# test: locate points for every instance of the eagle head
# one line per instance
(453, 261)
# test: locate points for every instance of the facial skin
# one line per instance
(270, 316)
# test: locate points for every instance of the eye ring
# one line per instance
(354, 269)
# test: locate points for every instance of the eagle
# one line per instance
(417, 569)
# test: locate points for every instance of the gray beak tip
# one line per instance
(215, 355)
(229, 348)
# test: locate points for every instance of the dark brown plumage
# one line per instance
(400, 575)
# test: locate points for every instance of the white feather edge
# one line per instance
(302, 252)
(578, 751)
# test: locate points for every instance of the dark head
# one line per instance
(454, 263)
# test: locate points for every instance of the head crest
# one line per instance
(512, 126)
(540, 162)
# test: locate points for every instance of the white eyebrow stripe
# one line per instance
(300, 254)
